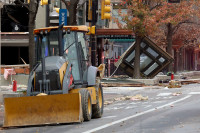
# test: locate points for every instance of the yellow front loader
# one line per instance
(62, 87)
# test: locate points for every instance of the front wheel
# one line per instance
(97, 108)
(86, 104)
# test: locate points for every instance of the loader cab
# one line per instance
(77, 55)
(73, 48)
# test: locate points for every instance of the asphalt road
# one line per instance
(174, 110)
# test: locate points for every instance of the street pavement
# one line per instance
(173, 110)
(167, 110)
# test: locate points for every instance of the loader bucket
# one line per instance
(40, 110)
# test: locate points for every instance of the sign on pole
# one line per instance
(63, 16)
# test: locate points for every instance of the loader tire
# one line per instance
(86, 104)
(97, 109)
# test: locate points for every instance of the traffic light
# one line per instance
(57, 9)
(44, 2)
(88, 10)
(91, 30)
(91, 11)
(105, 9)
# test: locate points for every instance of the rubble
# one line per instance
(177, 93)
(122, 84)
(189, 82)
(23, 87)
(42, 94)
(120, 76)
(138, 97)
(20, 87)
(174, 84)
(108, 102)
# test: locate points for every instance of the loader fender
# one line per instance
(92, 91)
(92, 74)
(30, 80)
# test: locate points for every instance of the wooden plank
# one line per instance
(19, 69)
(121, 85)
(189, 82)
(12, 66)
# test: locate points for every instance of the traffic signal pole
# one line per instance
(92, 7)
(93, 49)
(47, 15)
(93, 41)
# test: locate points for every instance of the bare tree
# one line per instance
(33, 8)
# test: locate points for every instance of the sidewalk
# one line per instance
(7, 91)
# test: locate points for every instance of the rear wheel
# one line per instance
(97, 109)
(86, 104)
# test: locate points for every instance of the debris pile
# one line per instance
(22, 87)
(136, 98)
(186, 82)
(120, 76)
(133, 98)
(108, 102)
(177, 93)
(114, 84)
(174, 84)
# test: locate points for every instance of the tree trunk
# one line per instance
(181, 59)
(169, 44)
(176, 62)
(136, 73)
(33, 8)
(72, 9)
(31, 45)
(72, 13)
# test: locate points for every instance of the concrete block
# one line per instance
(145, 81)
(165, 77)
(196, 73)
(7, 95)
(190, 73)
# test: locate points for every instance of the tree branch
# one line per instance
(23, 4)
(81, 5)
(37, 5)
(157, 5)
(72, 2)
(175, 28)
(66, 4)
(11, 17)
